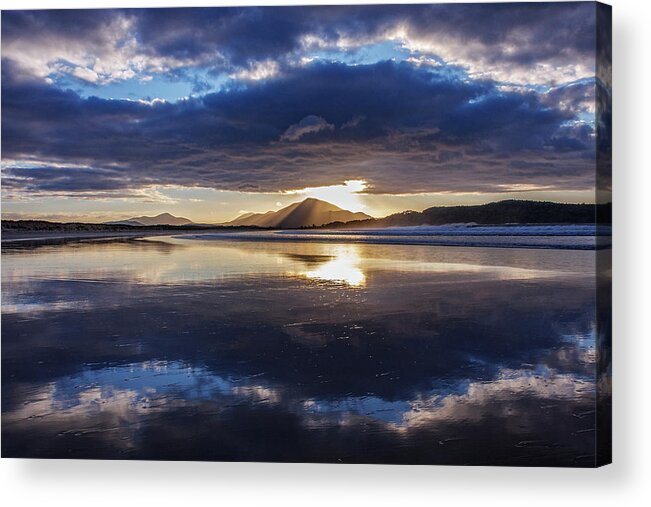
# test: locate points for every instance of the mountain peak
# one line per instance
(160, 219)
(306, 213)
(314, 200)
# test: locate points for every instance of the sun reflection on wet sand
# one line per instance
(343, 268)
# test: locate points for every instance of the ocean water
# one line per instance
(570, 237)
(327, 350)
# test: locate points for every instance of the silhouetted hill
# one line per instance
(314, 211)
(308, 213)
(162, 219)
(502, 212)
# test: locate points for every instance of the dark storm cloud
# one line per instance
(604, 113)
(544, 31)
(241, 34)
(86, 25)
(402, 128)
(64, 179)
(507, 37)
(575, 97)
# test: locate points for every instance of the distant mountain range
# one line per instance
(308, 213)
(501, 212)
(316, 213)
(162, 219)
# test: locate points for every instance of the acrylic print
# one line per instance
(340, 234)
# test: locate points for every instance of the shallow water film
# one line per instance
(196, 349)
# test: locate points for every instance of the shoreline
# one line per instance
(534, 241)
(519, 242)
(23, 236)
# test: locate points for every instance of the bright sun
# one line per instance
(346, 196)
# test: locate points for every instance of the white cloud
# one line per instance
(258, 71)
(112, 54)
(352, 123)
(308, 125)
(85, 74)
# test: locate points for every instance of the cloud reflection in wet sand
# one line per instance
(299, 352)
(117, 403)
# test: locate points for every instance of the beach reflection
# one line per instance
(342, 267)
(170, 260)
(185, 349)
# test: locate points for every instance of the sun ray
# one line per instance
(346, 195)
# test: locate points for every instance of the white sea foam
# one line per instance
(578, 236)
(471, 230)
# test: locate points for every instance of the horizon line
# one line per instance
(192, 222)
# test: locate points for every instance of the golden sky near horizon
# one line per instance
(212, 206)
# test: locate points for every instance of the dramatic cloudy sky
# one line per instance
(207, 113)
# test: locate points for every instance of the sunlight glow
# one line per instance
(346, 195)
(344, 268)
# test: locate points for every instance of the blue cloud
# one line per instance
(419, 129)
(500, 38)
